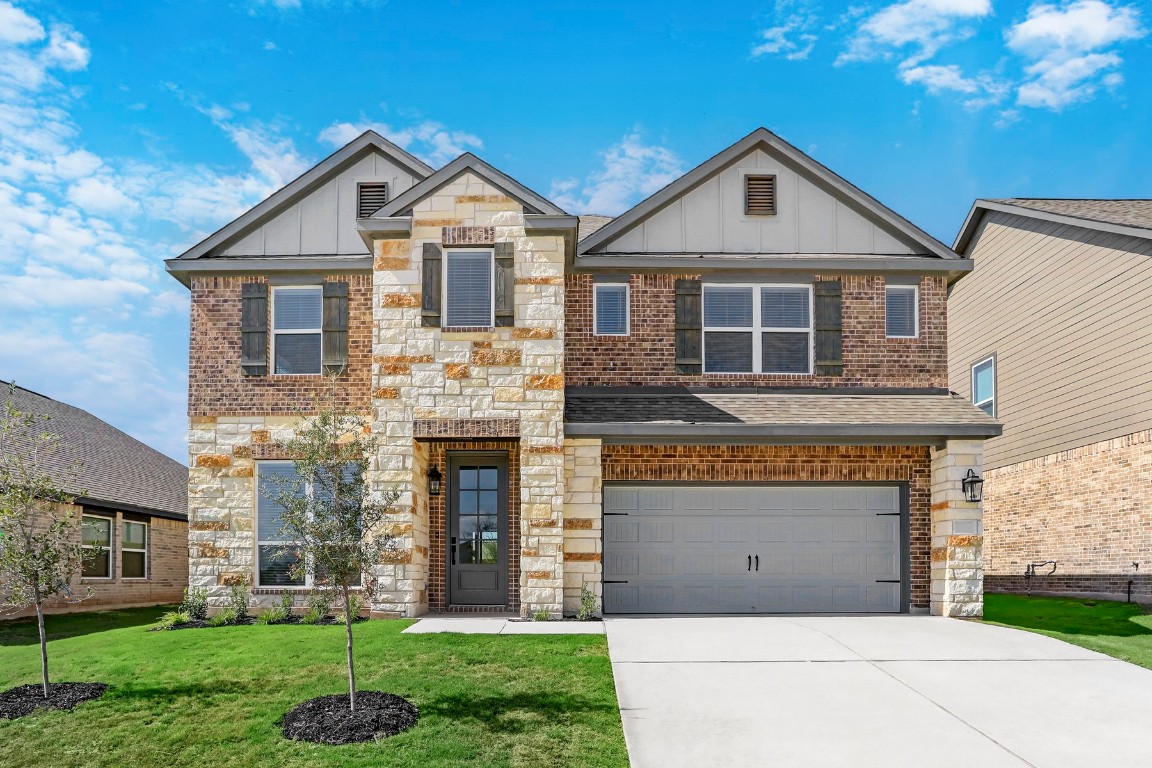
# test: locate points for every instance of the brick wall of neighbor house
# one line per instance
(1089, 509)
(216, 386)
(647, 355)
(792, 463)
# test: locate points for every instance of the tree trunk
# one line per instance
(351, 667)
(43, 644)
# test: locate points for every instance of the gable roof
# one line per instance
(102, 465)
(297, 188)
(762, 137)
(466, 163)
(1125, 217)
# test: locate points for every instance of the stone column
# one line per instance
(957, 532)
(583, 521)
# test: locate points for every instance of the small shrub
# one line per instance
(318, 607)
(587, 604)
(278, 613)
(195, 604)
(541, 615)
(223, 619)
(173, 619)
(356, 603)
(238, 603)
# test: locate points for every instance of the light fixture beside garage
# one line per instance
(435, 481)
(973, 486)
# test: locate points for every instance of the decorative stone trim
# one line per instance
(468, 235)
(404, 359)
(465, 428)
(508, 357)
(270, 452)
(533, 333)
(213, 460)
(539, 281)
(400, 300)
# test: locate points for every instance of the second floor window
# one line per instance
(297, 328)
(984, 385)
(468, 289)
(757, 329)
(610, 311)
(901, 312)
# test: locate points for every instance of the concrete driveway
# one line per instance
(894, 691)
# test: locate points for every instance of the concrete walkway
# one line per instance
(501, 625)
(892, 691)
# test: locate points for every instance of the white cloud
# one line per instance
(429, 140)
(793, 37)
(937, 79)
(17, 27)
(100, 196)
(1066, 48)
(632, 170)
(914, 29)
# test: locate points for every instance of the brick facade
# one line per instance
(216, 386)
(1089, 509)
(647, 356)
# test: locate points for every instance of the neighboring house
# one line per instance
(132, 500)
(1051, 335)
(732, 398)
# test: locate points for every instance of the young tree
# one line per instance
(332, 525)
(40, 543)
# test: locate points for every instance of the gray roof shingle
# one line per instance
(99, 463)
(1129, 213)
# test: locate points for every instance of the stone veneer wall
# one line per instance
(1088, 508)
(793, 463)
(500, 383)
(583, 521)
(647, 355)
(957, 532)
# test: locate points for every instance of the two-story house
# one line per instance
(1051, 335)
(731, 399)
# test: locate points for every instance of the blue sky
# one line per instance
(128, 131)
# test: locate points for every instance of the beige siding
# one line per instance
(1068, 313)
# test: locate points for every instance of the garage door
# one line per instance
(752, 549)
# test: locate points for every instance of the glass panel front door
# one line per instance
(477, 544)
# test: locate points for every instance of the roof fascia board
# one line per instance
(463, 164)
(829, 263)
(111, 506)
(392, 227)
(976, 214)
(837, 185)
(550, 221)
(183, 269)
(782, 431)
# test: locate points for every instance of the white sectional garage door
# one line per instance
(752, 549)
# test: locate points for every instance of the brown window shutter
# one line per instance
(335, 339)
(760, 195)
(370, 197)
(431, 269)
(254, 329)
(505, 284)
(689, 333)
(829, 328)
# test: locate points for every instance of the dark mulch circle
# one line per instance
(26, 699)
(325, 622)
(327, 719)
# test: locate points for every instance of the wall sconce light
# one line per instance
(973, 486)
(435, 482)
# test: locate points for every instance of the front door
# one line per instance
(478, 530)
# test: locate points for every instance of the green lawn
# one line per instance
(213, 697)
(1123, 630)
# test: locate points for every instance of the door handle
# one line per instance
(749, 562)
(757, 562)
(453, 546)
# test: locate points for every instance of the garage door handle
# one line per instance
(887, 581)
(757, 562)
(749, 562)
(888, 514)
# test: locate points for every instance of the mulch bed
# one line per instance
(327, 719)
(326, 621)
(26, 699)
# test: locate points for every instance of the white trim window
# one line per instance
(297, 329)
(273, 562)
(610, 309)
(96, 543)
(133, 550)
(901, 311)
(757, 328)
(984, 385)
(469, 295)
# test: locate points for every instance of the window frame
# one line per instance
(989, 360)
(915, 310)
(111, 546)
(147, 541)
(596, 308)
(444, 303)
(274, 333)
(756, 330)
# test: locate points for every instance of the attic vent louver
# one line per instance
(370, 197)
(760, 195)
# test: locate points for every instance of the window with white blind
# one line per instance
(610, 309)
(757, 328)
(901, 311)
(468, 295)
(297, 328)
